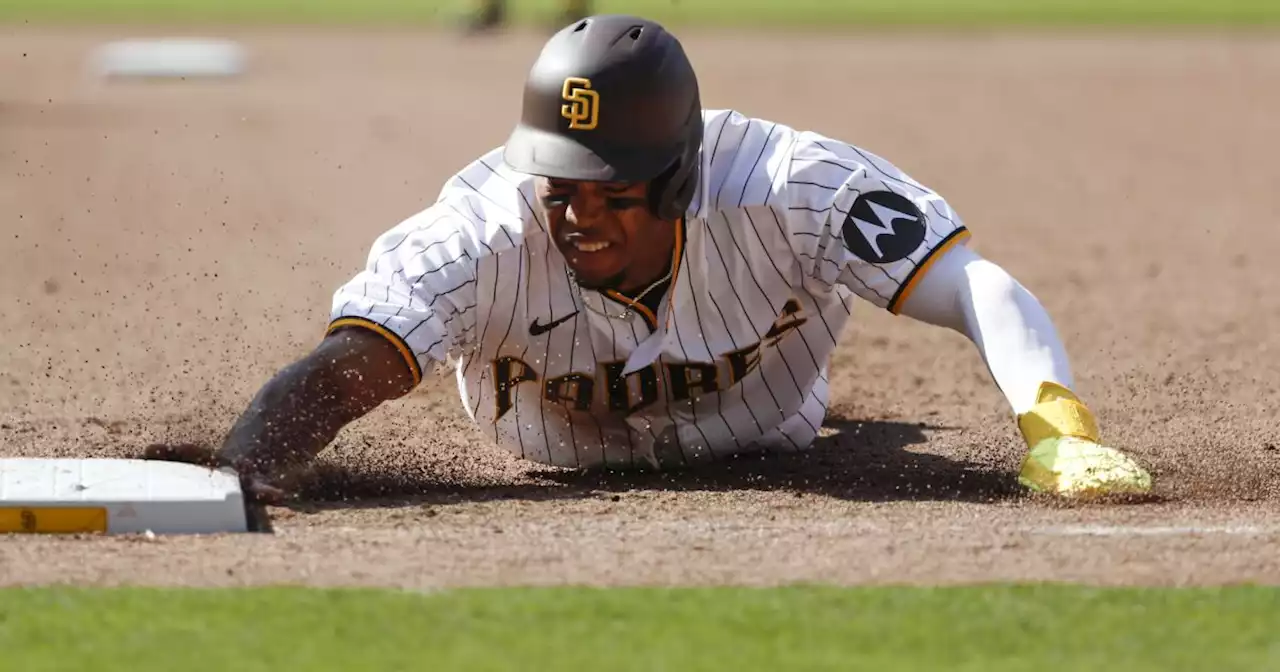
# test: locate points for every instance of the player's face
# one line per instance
(606, 232)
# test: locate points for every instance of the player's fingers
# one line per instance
(256, 490)
(180, 452)
(260, 492)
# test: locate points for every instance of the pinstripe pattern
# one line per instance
(764, 289)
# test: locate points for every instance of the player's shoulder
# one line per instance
(490, 201)
(817, 158)
(741, 157)
(825, 173)
(725, 130)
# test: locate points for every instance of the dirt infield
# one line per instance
(167, 245)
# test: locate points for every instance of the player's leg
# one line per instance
(571, 11)
(575, 9)
(490, 14)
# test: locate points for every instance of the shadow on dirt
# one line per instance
(860, 461)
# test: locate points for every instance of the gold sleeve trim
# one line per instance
(909, 285)
(386, 333)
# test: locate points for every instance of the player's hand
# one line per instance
(256, 488)
(1076, 467)
(1066, 455)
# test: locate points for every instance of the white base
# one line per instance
(170, 57)
(134, 496)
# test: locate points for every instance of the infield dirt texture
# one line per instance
(168, 245)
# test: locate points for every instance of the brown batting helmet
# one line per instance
(613, 98)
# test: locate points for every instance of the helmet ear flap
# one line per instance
(671, 191)
(664, 191)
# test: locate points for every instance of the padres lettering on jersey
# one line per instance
(786, 228)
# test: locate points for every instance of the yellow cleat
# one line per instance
(1078, 467)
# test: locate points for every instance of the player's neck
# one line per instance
(653, 285)
(650, 294)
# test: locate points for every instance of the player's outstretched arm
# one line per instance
(413, 302)
(1022, 350)
(304, 406)
(301, 409)
(903, 249)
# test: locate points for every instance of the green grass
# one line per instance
(985, 628)
(830, 13)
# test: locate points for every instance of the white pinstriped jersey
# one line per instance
(785, 229)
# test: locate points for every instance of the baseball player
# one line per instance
(492, 14)
(634, 281)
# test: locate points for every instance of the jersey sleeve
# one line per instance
(856, 220)
(417, 289)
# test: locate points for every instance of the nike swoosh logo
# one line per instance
(536, 329)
